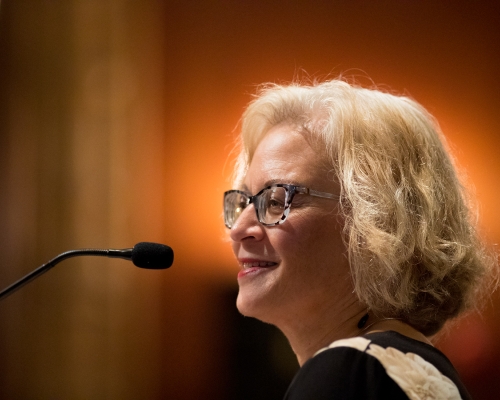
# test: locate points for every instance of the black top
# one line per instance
(382, 365)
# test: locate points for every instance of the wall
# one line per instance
(116, 122)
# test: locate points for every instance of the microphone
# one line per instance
(143, 255)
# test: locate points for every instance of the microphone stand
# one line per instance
(125, 253)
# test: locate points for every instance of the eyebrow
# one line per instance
(284, 181)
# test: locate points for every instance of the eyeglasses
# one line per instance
(272, 204)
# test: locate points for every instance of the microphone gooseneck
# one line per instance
(144, 255)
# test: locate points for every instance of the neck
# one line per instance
(396, 325)
(307, 337)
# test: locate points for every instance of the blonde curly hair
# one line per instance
(409, 232)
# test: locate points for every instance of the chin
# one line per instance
(245, 306)
(253, 307)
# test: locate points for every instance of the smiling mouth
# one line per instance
(258, 264)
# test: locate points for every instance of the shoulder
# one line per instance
(343, 370)
(381, 365)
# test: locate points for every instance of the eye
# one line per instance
(274, 200)
(275, 203)
(241, 202)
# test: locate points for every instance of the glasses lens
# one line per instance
(234, 204)
(271, 205)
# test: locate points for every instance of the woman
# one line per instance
(354, 238)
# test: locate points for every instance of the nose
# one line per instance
(247, 226)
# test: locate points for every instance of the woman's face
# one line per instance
(297, 269)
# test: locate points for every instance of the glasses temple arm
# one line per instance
(325, 195)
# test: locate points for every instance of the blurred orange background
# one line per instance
(117, 120)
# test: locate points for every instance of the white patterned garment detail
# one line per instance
(419, 379)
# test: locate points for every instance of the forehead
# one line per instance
(286, 155)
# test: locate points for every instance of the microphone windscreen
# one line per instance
(152, 255)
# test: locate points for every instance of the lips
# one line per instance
(258, 264)
(252, 267)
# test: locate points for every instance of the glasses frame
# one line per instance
(290, 190)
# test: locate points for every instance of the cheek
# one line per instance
(316, 270)
(315, 242)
